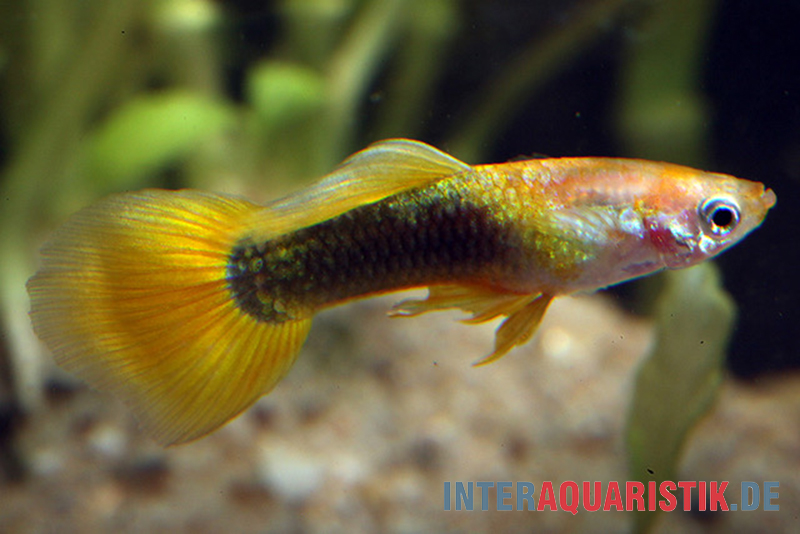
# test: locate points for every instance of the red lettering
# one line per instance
(717, 496)
(598, 496)
(613, 498)
(631, 495)
(570, 505)
(651, 496)
(701, 495)
(666, 488)
(548, 497)
(687, 486)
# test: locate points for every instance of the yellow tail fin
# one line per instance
(132, 297)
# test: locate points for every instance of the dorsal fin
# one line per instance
(379, 171)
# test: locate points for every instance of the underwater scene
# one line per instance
(399, 266)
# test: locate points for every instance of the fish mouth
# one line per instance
(768, 199)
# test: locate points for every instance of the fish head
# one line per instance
(696, 215)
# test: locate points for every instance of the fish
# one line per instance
(190, 305)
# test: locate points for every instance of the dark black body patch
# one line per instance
(416, 238)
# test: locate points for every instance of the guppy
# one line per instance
(190, 306)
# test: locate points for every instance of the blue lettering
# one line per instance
(465, 495)
(769, 495)
(748, 504)
(447, 496)
(484, 486)
(502, 494)
(525, 493)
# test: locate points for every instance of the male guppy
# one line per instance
(190, 305)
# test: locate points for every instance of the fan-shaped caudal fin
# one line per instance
(132, 296)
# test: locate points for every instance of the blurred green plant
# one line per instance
(154, 130)
(61, 62)
(678, 383)
(662, 112)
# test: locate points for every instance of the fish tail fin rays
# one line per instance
(523, 313)
(132, 296)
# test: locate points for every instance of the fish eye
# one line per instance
(720, 216)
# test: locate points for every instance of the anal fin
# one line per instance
(523, 313)
(483, 303)
(518, 328)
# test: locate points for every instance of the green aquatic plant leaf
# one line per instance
(281, 92)
(678, 383)
(662, 108)
(150, 132)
